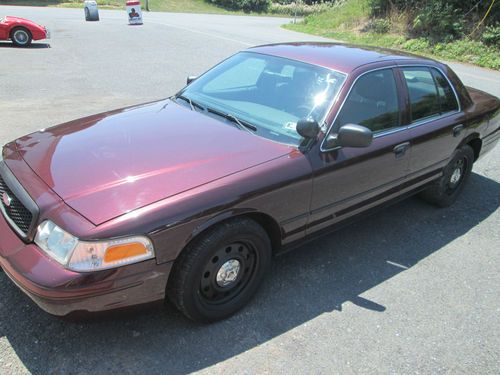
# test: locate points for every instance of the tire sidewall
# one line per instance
(200, 310)
(467, 153)
(13, 32)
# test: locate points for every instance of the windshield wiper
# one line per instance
(192, 104)
(241, 124)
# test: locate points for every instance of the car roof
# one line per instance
(337, 56)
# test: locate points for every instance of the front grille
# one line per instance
(14, 209)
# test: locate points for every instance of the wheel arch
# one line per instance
(474, 141)
(266, 221)
(16, 27)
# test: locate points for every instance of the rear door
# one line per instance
(435, 120)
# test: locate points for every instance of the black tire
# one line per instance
(195, 283)
(21, 37)
(87, 14)
(445, 191)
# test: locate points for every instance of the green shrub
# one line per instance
(299, 8)
(439, 22)
(416, 45)
(246, 5)
(491, 35)
(379, 26)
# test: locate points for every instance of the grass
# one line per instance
(174, 6)
(348, 21)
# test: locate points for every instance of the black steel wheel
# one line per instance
(220, 272)
(228, 272)
(445, 191)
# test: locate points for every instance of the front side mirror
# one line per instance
(350, 135)
(191, 79)
(308, 128)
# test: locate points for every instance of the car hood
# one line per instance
(107, 165)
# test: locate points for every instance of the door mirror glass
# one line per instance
(350, 135)
(308, 128)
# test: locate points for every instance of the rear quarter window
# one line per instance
(447, 99)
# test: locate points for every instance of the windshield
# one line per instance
(269, 93)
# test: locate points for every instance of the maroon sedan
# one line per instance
(189, 197)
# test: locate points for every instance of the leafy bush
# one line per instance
(470, 51)
(299, 8)
(379, 26)
(306, 2)
(491, 35)
(438, 21)
(416, 45)
(246, 5)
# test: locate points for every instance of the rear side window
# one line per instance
(447, 98)
(372, 102)
(424, 100)
(430, 93)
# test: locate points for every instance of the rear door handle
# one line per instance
(457, 130)
(400, 149)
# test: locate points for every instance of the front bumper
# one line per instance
(60, 291)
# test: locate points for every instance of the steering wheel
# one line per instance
(303, 111)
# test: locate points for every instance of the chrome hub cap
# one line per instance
(21, 37)
(228, 273)
(455, 176)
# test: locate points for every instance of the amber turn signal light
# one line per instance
(121, 252)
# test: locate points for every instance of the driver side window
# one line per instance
(372, 102)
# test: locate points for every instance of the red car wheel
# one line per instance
(21, 37)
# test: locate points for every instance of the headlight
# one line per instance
(85, 256)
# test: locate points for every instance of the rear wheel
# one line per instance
(445, 191)
(87, 14)
(219, 273)
(21, 37)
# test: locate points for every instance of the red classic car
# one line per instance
(21, 31)
(190, 197)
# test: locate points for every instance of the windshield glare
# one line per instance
(269, 92)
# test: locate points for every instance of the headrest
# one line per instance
(369, 86)
(303, 77)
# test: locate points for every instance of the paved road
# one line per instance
(412, 289)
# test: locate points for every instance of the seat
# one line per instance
(370, 103)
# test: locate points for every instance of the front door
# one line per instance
(349, 180)
(3, 31)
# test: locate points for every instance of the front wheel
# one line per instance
(21, 37)
(220, 272)
(445, 191)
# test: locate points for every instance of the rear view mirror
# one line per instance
(191, 79)
(308, 128)
(350, 135)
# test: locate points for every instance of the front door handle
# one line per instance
(457, 130)
(400, 149)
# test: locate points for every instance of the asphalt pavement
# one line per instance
(410, 290)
